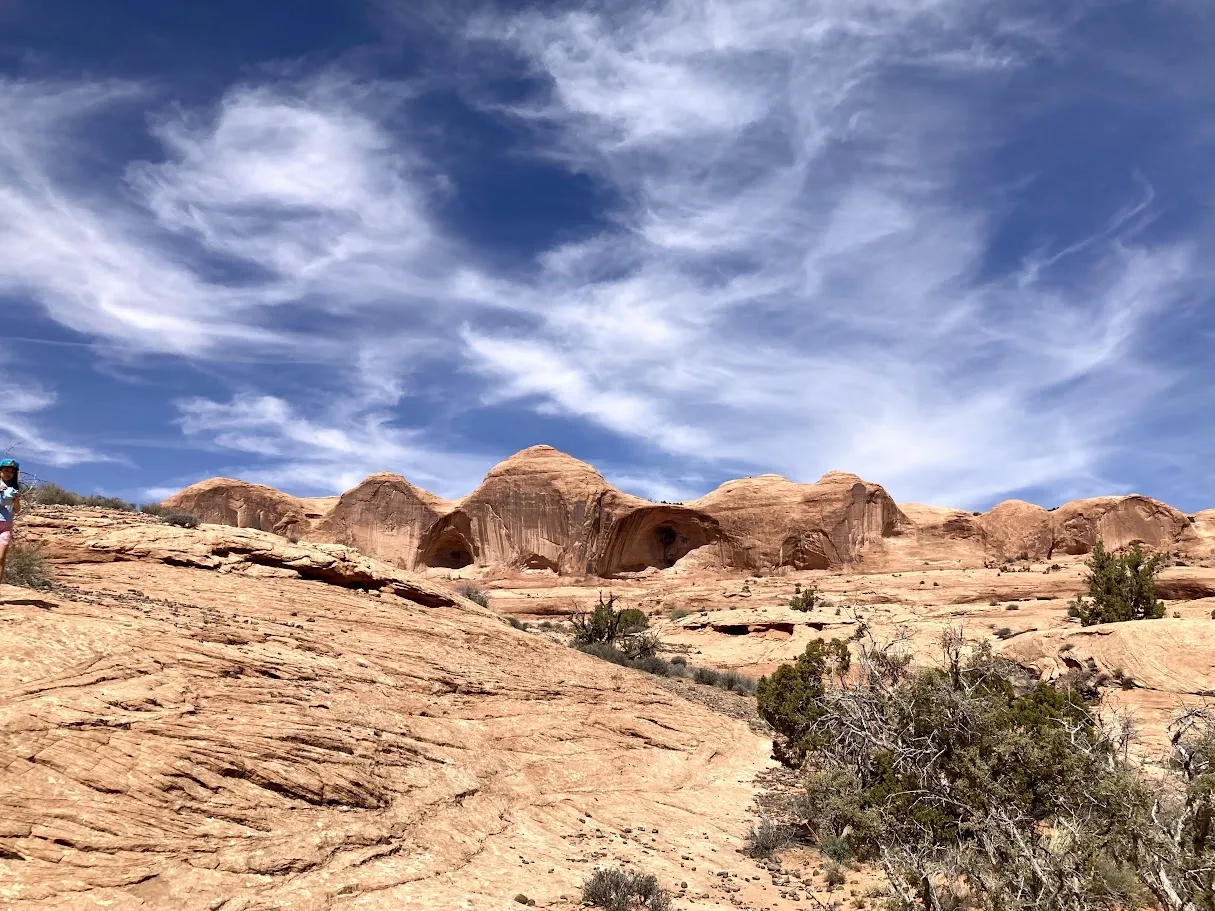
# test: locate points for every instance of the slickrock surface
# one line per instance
(740, 622)
(216, 719)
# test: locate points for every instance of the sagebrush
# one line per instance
(473, 593)
(622, 890)
(50, 494)
(26, 565)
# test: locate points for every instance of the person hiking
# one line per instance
(10, 506)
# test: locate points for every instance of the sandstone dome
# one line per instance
(224, 501)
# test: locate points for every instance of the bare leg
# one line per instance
(3, 557)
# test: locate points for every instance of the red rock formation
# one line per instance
(540, 508)
(1118, 522)
(224, 501)
(1015, 527)
(543, 509)
(776, 522)
(385, 516)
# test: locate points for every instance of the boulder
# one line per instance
(1015, 527)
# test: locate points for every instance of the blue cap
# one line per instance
(9, 463)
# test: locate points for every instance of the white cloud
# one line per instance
(803, 286)
(325, 451)
(794, 277)
(23, 436)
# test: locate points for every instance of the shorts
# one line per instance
(6, 534)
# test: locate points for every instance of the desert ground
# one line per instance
(233, 718)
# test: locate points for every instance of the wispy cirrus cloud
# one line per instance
(804, 262)
(287, 220)
(325, 451)
(800, 281)
(23, 433)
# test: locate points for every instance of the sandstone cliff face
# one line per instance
(1014, 527)
(539, 509)
(1118, 521)
(543, 509)
(774, 522)
(240, 504)
(385, 516)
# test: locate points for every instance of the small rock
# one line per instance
(521, 899)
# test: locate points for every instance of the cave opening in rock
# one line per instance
(450, 550)
(655, 537)
(667, 536)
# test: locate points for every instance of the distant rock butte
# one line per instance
(543, 509)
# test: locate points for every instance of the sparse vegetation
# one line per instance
(1004, 632)
(474, 593)
(805, 600)
(518, 624)
(766, 839)
(791, 698)
(180, 519)
(645, 659)
(154, 509)
(971, 785)
(622, 890)
(49, 494)
(600, 625)
(1120, 587)
(679, 613)
(27, 566)
(633, 620)
(835, 876)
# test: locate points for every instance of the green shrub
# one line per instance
(474, 593)
(734, 681)
(516, 623)
(604, 652)
(706, 675)
(656, 666)
(602, 624)
(837, 848)
(965, 775)
(806, 600)
(154, 509)
(27, 565)
(679, 613)
(620, 890)
(1120, 587)
(790, 699)
(180, 519)
(633, 620)
(50, 494)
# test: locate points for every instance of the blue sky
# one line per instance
(961, 248)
